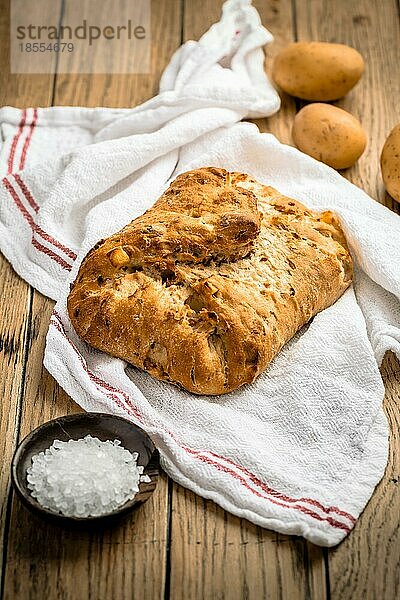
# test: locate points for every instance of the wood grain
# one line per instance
(13, 332)
(279, 18)
(127, 561)
(43, 560)
(119, 90)
(214, 554)
(15, 294)
(366, 565)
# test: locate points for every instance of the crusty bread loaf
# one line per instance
(206, 287)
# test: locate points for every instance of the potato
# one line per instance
(317, 70)
(329, 134)
(390, 163)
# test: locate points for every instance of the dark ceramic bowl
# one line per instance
(100, 425)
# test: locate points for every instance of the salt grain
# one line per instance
(84, 478)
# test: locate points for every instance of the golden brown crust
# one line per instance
(207, 286)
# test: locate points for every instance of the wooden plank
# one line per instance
(366, 564)
(20, 91)
(217, 555)
(213, 553)
(129, 560)
(279, 19)
(14, 322)
(43, 560)
(120, 90)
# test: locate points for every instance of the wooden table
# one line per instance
(179, 545)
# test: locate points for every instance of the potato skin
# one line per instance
(329, 134)
(390, 163)
(317, 70)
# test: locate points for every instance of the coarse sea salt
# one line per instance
(86, 477)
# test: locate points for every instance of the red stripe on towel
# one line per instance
(28, 139)
(315, 503)
(15, 141)
(91, 376)
(51, 254)
(36, 229)
(26, 192)
(300, 508)
(99, 382)
(34, 226)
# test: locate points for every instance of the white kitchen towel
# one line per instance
(301, 449)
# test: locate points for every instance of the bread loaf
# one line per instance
(205, 288)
